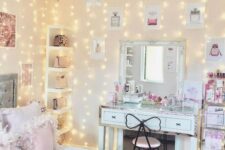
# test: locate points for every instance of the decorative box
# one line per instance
(61, 40)
(61, 62)
(60, 82)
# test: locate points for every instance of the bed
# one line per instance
(27, 127)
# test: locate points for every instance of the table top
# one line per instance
(151, 108)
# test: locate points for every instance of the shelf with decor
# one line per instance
(59, 69)
(59, 60)
(59, 48)
(60, 111)
(64, 130)
(213, 120)
(129, 62)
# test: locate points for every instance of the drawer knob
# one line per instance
(177, 124)
(114, 117)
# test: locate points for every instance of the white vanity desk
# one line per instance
(178, 122)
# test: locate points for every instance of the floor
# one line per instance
(128, 136)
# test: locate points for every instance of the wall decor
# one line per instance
(93, 2)
(214, 139)
(115, 18)
(26, 74)
(195, 15)
(8, 90)
(7, 30)
(215, 49)
(152, 17)
(193, 90)
(171, 53)
(98, 48)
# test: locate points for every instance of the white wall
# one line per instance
(30, 19)
(95, 78)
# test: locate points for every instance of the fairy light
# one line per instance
(165, 4)
(40, 21)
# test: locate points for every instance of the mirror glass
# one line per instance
(155, 66)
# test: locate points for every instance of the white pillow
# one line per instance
(15, 118)
(41, 131)
(39, 134)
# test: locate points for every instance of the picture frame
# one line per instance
(152, 17)
(215, 49)
(7, 30)
(195, 15)
(26, 74)
(93, 2)
(8, 90)
(98, 48)
(115, 17)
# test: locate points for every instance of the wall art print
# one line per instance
(98, 48)
(7, 30)
(115, 18)
(215, 48)
(152, 17)
(26, 74)
(195, 15)
(93, 2)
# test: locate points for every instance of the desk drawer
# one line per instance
(113, 117)
(178, 124)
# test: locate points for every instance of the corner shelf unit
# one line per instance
(127, 64)
(58, 99)
(217, 111)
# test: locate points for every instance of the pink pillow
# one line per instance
(15, 118)
(4, 147)
(43, 138)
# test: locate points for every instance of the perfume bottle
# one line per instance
(152, 19)
(55, 104)
(115, 20)
(195, 15)
(215, 51)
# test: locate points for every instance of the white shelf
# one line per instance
(130, 55)
(59, 27)
(129, 76)
(59, 111)
(59, 48)
(51, 52)
(54, 90)
(129, 66)
(54, 69)
(63, 130)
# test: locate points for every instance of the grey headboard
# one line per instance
(8, 90)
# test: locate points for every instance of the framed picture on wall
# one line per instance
(98, 48)
(115, 18)
(7, 30)
(26, 74)
(93, 2)
(195, 15)
(152, 17)
(215, 48)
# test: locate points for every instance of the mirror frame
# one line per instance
(180, 43)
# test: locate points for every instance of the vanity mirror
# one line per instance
(156, 66)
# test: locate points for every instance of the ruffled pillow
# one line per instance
(41, 132)
(14, 118)
(38, 134)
